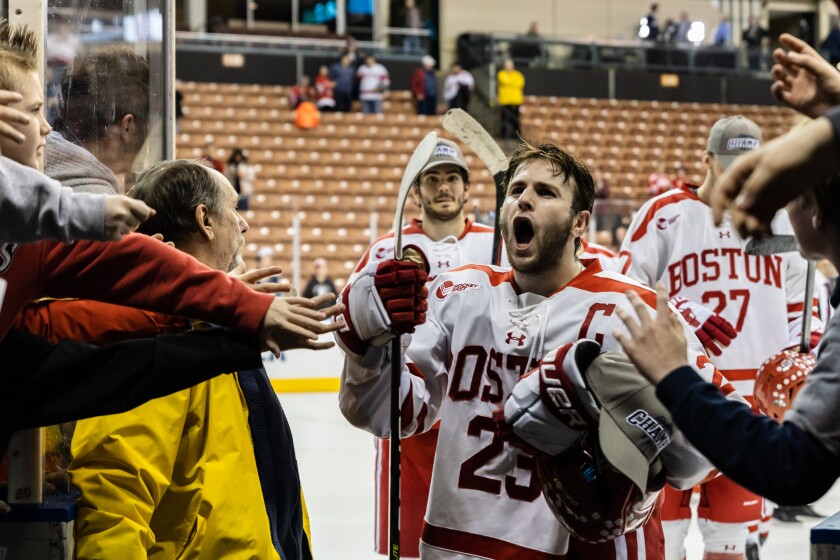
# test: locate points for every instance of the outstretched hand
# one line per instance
(295, 322)
(761, 182)
(10, 117)
(805, 81)
(124, 215)
(252, 277)
(657, 346)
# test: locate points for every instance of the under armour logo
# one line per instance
(727, 234)
(443, 264)
(729, 547)
(520, 340)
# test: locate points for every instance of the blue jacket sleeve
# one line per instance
(778, 461)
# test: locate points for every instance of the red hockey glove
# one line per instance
(713, 330)
(402, 288)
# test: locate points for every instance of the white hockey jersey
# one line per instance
(673, 239)
(474, 246)
(480, 337)
(610, 261)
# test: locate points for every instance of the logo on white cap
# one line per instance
(445, 151)
(742, 143)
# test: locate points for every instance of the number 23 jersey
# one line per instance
(481, 335)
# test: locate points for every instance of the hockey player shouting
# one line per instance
(486, 328)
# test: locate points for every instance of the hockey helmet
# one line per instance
(590, 498)
(779, 379)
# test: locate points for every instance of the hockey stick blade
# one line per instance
(772, 245)
(469, 131)
(460, 124)
(422, 153)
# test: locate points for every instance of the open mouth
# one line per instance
(523, 232)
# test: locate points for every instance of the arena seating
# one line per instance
(334, 176)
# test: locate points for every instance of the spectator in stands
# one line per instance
(413, 22)
(681, 180)
(650, 28)
(458, 87)
(830, 47)
(302, 91)
(212, 160)
(241, 175)
(755, 38)
(343, 75)
(601, 208)
(659, 182)
(424, 87)
(683, 27)
(533, 31)
(373, 83)
(511, 86)
(324, 89)
(351, 50)
(104, 110)
(320, 282)
(722, 35)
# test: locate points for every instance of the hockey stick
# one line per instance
(808, 308)
(422, 153)
(771, 245)
(460, 124)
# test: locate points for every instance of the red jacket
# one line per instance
(418, 84)
(94, 322)
(138, 272)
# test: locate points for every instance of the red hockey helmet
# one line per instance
(591, 499)
(779, 379)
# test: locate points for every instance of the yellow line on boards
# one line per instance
(306, 385)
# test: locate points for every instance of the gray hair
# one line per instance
(174, 189)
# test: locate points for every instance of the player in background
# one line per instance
(610, 261)
(487, 327)
(449, 239)
(744, 308)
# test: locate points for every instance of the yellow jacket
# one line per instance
(173, 478)
(511, 83)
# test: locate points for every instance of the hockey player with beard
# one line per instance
(449, 239)
(487, 327)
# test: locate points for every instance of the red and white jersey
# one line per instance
(672, 238)
(373, 80)
(610, 261)
(481, 335)
(474, 246)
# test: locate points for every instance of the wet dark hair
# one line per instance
(563, 164)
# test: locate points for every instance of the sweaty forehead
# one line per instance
(537, 171)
